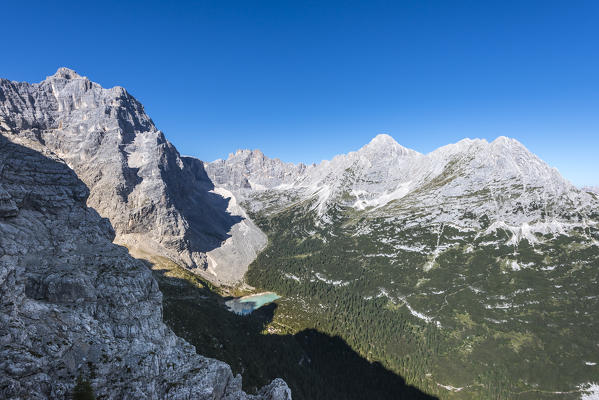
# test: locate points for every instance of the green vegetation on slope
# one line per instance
(457, 314)
(314, 365)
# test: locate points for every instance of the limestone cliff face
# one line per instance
(72, 302)
(156, 200)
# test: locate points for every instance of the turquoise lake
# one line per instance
(245, 305)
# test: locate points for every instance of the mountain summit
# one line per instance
(501, 179)
(383, 143)
(65, 73)
(159, 202)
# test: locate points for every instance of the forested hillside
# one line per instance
(482, 319)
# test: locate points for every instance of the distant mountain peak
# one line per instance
(504, 140)
(507, 142)
(65, 73)
(247, 153)
(383, 138)
(383, 143)
(472, 174)
(502, 146)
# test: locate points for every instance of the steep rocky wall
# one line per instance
(72, 302)
(155, 199)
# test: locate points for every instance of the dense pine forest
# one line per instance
(473, 324)
(354, 323)
(315, 365)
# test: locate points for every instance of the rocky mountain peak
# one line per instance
(385, 144)
(64, 73)
(383, 138)
(156, 200)
(504, 140)
(510, 145)
(502, 150)
(247, 154)
(471, 175)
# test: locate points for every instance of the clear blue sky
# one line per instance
(304, 81)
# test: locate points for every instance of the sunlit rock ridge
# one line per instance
(158, 201)
(457, 184)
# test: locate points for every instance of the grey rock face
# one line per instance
(251, 169)
(456, 184)
(72, 302)
(156, 200)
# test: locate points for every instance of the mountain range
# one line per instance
(478, 253)
(385, 178)
(471, 271)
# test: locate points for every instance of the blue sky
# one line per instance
(304, 81)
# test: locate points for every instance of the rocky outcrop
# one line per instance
(73, 303)
(156, 200)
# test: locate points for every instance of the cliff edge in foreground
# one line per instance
(74, 304)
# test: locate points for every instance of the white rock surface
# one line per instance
(156, 200)
(458, 183)
(592, 189)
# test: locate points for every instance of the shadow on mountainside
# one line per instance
(190, 191)
(314, 365)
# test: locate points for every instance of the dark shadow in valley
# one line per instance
(190, 190)
(314, 365)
